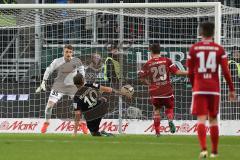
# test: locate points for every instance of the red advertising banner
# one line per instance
(11, 125)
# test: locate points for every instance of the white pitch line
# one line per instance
(114, 142)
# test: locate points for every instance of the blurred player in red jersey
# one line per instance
(203, 66)
(156, 73)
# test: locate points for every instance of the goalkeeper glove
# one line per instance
(41, 87)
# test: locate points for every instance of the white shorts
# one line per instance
(55, 96)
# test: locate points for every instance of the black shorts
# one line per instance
(97, 111)
(93, 125)
(94, 116)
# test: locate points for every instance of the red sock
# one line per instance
(156, 120)
(202, 135)
(169, 113)
(214, 134)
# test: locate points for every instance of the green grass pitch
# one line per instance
(120, 147)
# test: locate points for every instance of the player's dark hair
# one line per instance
(155, 48)
(78, 80)
(207, 29)
(68, 46)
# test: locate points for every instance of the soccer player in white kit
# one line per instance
(66, 67)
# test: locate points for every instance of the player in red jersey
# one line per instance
(203, 66)
(156, 73)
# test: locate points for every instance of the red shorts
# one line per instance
(205, 105)
(159, 102)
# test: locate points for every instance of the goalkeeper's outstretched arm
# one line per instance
(47, 72)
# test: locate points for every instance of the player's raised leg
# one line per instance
(169, 111)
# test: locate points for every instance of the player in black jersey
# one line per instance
(88, 101)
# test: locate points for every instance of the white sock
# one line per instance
(48, 113)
